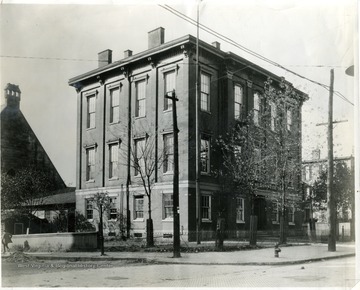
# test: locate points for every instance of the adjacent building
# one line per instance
(20, 148)
(311, 170)
(122, 107)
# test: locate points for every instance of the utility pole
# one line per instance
(330, 194)
(176, 228)
(197, 137)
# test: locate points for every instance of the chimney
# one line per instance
(216, 44)
(315, 154)
(104, 57)
(156, 37)
(128, 53)
(12, 96)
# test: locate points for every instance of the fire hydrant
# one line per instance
(277, 250)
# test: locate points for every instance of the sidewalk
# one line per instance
(289, 255)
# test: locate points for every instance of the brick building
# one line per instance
(121, 105)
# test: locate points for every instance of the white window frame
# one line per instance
(240, 210)
(89, 207)
(113, 209)
(256, 110)
(114, 104)
(90, 163)
(289, 119)
(168, 166)
(291, 214)
(238, 101)
(140, 98)
(205, 88)
(91, 111)
(169, 205)
(141, 163)
(206, 207)
(273, 115)
(113, 160)
(137, 206)
(169, 86)
(205, 154)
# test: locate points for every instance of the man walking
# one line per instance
(6, 239)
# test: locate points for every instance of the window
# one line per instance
(168, 206)
(205, 155)
(238, 99)
(169, 82)
(275, 212)
(139, 156)
(168, 153)
(307, 173)
(91, 109)
(273, 113)
(89, 209)
(90, 163)
(113, 160)
(112, 210)
(206, 207)
(291, 215)
(114, 105)
(205, 92)
(240, 210)
(288, 119)
(140, 106)
(139, 207)
(257, 160)
(256, 108)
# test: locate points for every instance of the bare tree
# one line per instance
(102, 203)
(145, 161)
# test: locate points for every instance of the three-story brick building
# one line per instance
(122, 105)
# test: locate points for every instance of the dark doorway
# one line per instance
(260, 212)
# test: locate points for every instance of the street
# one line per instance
(331, 273)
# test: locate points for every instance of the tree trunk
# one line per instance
(101, 231)
(149, 233)
(282, 229)
(253, 230)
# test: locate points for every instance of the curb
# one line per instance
(157, 261)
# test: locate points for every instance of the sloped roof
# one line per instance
(60, 198)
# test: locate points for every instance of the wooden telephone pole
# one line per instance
(176, 218)
(330, 193)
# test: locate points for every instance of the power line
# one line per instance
(49, 58)
(241, 47)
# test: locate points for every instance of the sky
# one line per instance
(43, 45)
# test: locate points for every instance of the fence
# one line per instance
(56, 242)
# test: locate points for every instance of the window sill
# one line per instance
(138, 220)
(275, 223)
(113, 178)
(90, 181)
(291, 224)
(240, 222)
(139, 117)
(114, 123)
(170, 220)
(205, 173)
(167, 111)
(206, 221)
(168, 173)
(92, 128)
(205, 111)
